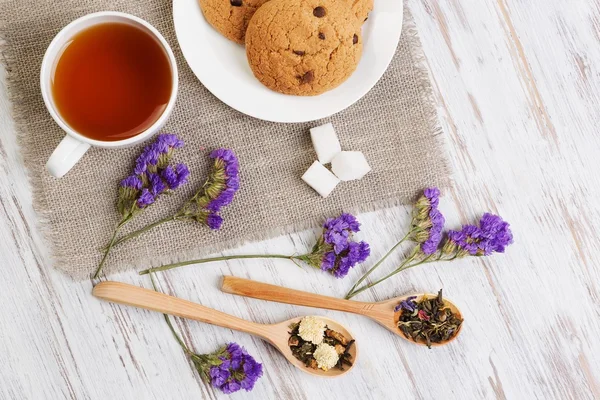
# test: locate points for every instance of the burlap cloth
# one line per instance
(395, 125)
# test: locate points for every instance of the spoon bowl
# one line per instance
(382, 312)
(331, 324)
(276, 334)
(390, 321)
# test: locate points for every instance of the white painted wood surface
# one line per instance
(518, 87)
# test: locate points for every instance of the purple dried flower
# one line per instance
(141, 166)
(496, 231)
(492, 235)
(175, 177)
(214, 221)
(237, 370)
(356, 253)
(151, 176)
(428, 221)
(409, 304)
(351, 221)
(337, 231)
(328, 261)
(231, 387)
(343, 267)
(218, 375)
(433, 195)
(223, 199)
(253, 371)
(132, 182)
(170, 177)
(234, 183)
(170, 140)
(235, 355)
(227, 155)
(146, 198)
(335, 251)
(151, 155)
(363, 252)
(182, 172)
(226, 179)
(157, 186)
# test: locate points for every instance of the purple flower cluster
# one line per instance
(429, 221)
(342, 253)
(237, 370)
(409, 304)
(226, 176)
(491, 236)
(219, 190)
(152, 174)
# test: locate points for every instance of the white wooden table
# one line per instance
(518, 89)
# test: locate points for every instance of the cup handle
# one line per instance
(65, 156)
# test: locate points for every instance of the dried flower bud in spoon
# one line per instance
(319, 347)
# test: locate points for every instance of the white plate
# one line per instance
(222, 67)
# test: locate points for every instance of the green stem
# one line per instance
(409, 259)
(379, 263)
(403, 267)
(110, 245)
(171, 327)
(213, 259)
(144, 229)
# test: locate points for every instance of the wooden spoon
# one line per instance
(381, 312)
(276, 334)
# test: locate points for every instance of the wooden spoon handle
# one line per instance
(265, 291)
(130, 295)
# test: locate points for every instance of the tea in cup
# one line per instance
(108, 79)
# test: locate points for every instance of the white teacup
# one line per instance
(74, 145)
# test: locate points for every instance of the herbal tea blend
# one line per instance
(428, 321)
(319, 347)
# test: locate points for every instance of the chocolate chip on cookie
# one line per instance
(321, 36)
(319, 12)
(299, 52)
(236, 3)
(355, 39)
(307, 77)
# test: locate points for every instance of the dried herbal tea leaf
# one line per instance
(428, 321)
(334, 341)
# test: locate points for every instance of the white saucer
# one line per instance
(222, 68)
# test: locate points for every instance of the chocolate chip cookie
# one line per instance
(362, 8)
(303, 47)
(230, 17)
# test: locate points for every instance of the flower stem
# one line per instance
(110, 245)
(144, 229)
(213, 259)
(168, 320)
(378, 263)
(406, 264)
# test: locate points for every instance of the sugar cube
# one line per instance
(321, 179)
(325, 142)
(350, 165)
